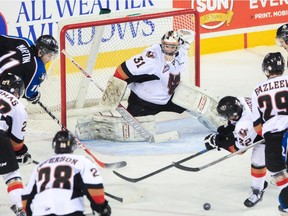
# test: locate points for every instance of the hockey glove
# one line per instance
(210, 141)
(104, 210)
(226, 130)
(23, 156)
(219, 141)
(35, 99)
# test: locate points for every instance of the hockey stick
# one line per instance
(100, 163)
(130, 199)
(126, 115)
(196, 169)
(159, 170)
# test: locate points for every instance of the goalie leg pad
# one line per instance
(200, 104)
(112, 128)
(113, 94)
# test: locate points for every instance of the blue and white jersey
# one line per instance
(17, 56)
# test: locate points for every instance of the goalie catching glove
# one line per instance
(223, 139)
(187, 37)
(23, 156)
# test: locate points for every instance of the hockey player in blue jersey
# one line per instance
(20, 56)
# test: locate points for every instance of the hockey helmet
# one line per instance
(170, 43)
(282, 33)
(230, 108)
(47, 44)
(12, 84)
(63, 142)
(273, 63)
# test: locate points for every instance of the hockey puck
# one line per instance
(207, 206)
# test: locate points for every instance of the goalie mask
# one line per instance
(282, 35)
(230, 108)
(63, 142)
(273, 64)
(12, 84)
(170, 44)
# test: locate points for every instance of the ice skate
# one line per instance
(18, 211)
(281, 211)
(255, 197)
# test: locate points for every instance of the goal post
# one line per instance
(99, 43)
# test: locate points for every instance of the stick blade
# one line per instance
(185, 168)
(135, 197)
(126, 178)
(119, 164)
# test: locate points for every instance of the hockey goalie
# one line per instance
(154, 80)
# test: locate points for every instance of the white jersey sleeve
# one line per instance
(244, 130)
(14, 116)
(57, 185)
(256, 116)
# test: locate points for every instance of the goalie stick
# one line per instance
(100, 163)
(126, 115)
(196, 169)
(159, 170)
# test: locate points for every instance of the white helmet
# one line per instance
(170, 43)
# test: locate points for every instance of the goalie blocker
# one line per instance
(199, 104)
(113, 94)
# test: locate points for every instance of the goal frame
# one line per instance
(109, 21)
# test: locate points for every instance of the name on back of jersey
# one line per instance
(26, 55)
(271, 85)
(14, 101)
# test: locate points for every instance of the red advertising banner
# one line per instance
(221, 15)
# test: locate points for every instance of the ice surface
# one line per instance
(174, 192)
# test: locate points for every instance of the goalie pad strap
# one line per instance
(113, 94)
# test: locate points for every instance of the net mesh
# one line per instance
(98, 44)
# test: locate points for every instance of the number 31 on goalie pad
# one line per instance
(200, 104)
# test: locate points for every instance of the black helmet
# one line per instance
(13, 84)
(47, 44)
(282, 32)
(63, 142)
(273, 63)
(230, 106)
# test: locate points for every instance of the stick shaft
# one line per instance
(196, 169)
(159, 170)
(121, 109)
(100, 163)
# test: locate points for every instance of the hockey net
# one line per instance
(99, 43)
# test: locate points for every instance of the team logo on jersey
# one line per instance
(42, 77)
(3, 25)
(166, 68)
(243, 132)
